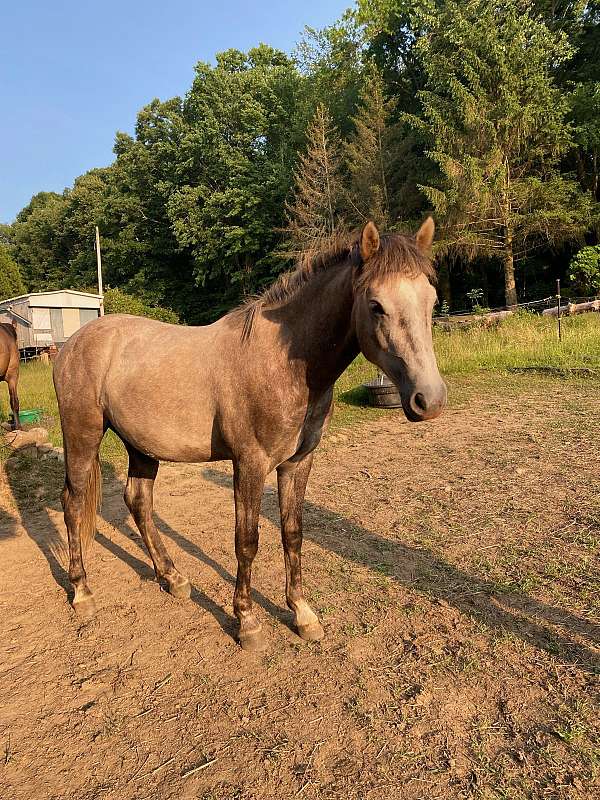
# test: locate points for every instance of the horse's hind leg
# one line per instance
(292, 478)
(11, 380)
(80, 499)
(139, 500)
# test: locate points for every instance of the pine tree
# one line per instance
(314, 214)
(370, 156)
(497, 128)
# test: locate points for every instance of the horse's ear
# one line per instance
(369, 241)
(424, 236)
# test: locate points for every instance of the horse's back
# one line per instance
(146, 377)
(90, 350)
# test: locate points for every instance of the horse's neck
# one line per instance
(317, 326)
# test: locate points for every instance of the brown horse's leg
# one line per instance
(292, 478)
(12, 380)
(139, 500)
(248, 484)
(80, 499)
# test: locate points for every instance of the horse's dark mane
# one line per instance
(397, 254)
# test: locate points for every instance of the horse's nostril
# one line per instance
(420, 401)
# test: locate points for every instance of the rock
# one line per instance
(45, 447)
(19, 439)
(53, 454)
(41, 435)
(7, 426)
(29, 450)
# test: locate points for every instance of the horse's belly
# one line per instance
(168, 431)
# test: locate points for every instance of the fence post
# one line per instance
(558, 314)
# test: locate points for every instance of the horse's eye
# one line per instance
(376, 308)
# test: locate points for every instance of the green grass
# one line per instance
(524, 340)
(36, 390)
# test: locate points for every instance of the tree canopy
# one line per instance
(486, 114)
(11, 284)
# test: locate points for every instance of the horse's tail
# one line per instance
(91, 504)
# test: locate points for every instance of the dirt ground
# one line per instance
(454, 565)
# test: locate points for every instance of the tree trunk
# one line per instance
(444, 285)
(510, 289)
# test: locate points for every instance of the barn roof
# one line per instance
(30, 295)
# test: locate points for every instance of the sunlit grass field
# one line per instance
(524, 341)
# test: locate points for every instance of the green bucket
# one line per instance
(29, 415)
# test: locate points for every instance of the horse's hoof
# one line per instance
(311, 633)
(180, 588)
(85, 608)
(253, 642)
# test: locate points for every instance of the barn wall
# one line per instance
(24, 332)
(56, 320)
(54, 316)
(88, 314)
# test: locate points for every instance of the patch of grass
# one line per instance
(36, 390)
(524, 340)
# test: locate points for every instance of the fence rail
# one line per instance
(568, 307)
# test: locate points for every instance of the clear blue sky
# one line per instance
(73, 72)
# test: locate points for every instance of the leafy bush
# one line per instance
(118, 302)
(584, 270)
(11, 284)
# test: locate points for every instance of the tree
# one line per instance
(497, 128)
(584, 270)
(34, 241)
(245, 120)
(332, 61)
(11, 284)
(370, 157)
(118, 302)
(314, 212)
(581, 82)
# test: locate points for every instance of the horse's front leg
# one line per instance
(292, 478)
(248, 484)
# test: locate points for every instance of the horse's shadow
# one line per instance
(41, 529)
(422, 570)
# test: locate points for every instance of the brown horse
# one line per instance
(9, 366)
(256, 387)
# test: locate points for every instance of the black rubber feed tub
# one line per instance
(383, 393)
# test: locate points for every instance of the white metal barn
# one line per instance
(46, 318)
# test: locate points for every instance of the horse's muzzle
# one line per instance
(425, 402)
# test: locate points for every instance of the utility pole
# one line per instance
(99, 262)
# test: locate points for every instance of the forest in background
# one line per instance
(484, 114)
